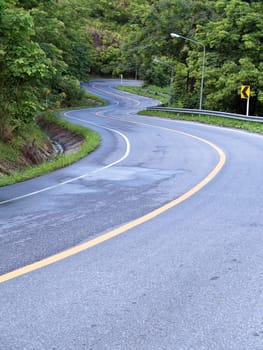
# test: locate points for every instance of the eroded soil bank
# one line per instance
(59, 140)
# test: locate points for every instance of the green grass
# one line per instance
(157, 92)
(11, 152)
(91, 141)
(220, 121)
(8, 153)
(152, 91)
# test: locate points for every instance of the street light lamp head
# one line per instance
(174, 35)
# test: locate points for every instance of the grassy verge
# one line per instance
(155, 92)
(220, 121)
(89, 101)
(91, 141)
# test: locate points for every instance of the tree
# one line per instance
(234, 43)
(23, 65)
(152, 37)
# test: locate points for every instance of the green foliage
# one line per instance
(231, 30)
(42, 56)
(27, 61)
(234, 42)
(74, 41)
(23, 65)
(71, 89)
(46, 47)
(21, 57)
(151, 38)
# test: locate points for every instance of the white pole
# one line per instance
(247, 106)
(202, 78)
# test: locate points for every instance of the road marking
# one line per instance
(126, 154)
(124, 228)
(137, 102)
(132, 224)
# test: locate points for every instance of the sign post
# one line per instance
(245, 94)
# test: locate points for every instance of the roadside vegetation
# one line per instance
(44, 56)
(90, 142)
(30, 154)
(220, 121)
(155, 91)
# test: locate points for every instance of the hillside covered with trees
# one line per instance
(48, 46)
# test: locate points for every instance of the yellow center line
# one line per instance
(124, 228)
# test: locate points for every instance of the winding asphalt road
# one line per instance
(154, 241)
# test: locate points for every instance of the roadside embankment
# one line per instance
(51, 144)
(30, 152)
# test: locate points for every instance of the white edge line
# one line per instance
(126, 154)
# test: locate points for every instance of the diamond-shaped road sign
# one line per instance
(245, 91)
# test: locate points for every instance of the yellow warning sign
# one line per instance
(245, 91)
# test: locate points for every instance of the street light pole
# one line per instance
(156, 60)
(175, 35)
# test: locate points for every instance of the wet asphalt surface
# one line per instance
(191, 278)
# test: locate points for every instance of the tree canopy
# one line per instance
(48, 47)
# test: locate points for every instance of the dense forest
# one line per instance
(47, 47)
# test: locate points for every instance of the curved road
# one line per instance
(154, 241)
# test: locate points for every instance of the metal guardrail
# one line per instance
(207, 112)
